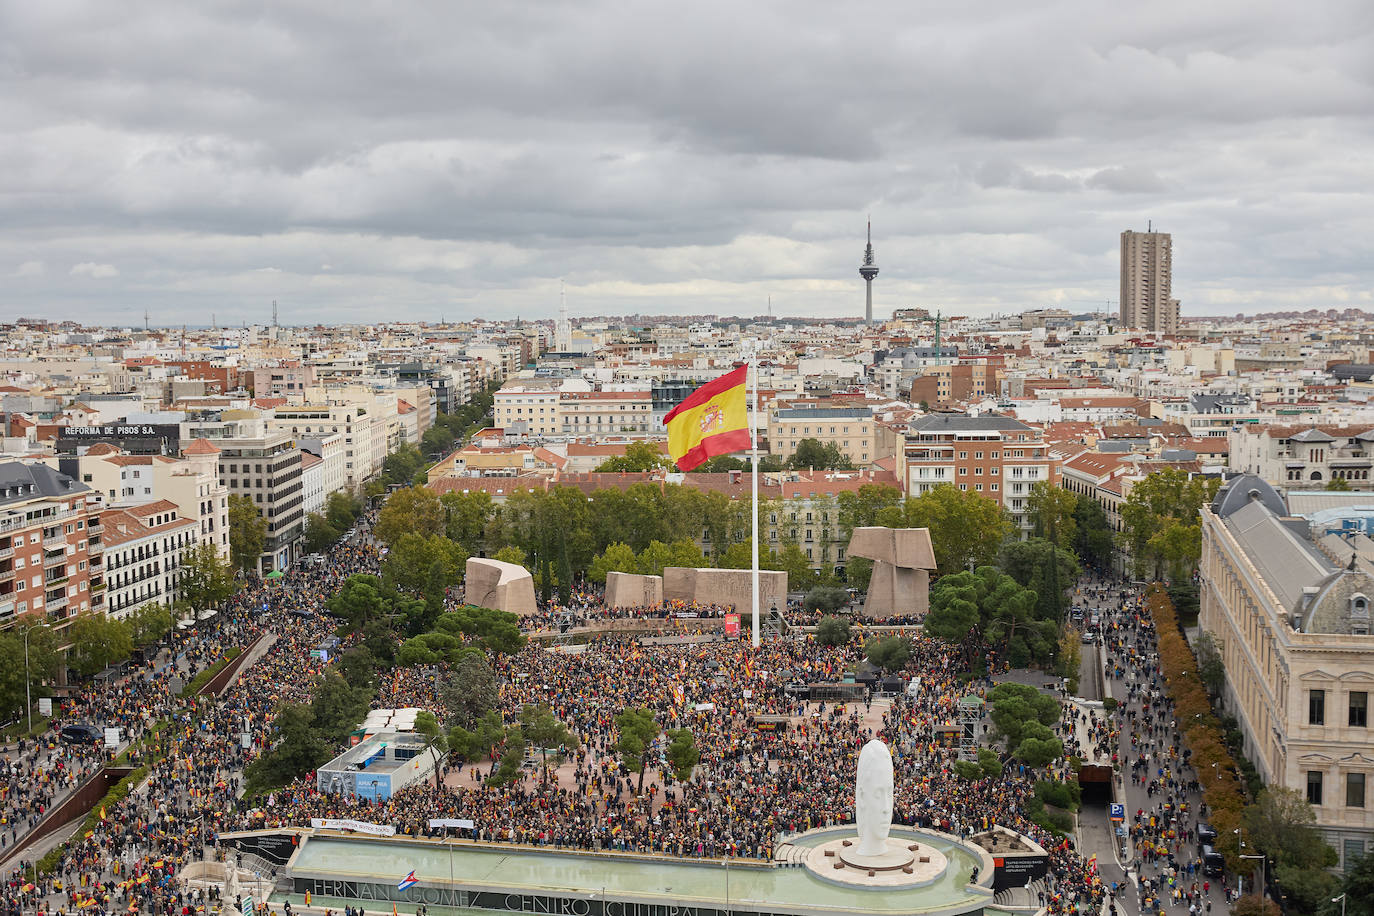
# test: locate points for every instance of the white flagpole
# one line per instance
(754, 483)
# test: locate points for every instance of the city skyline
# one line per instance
(187, 161)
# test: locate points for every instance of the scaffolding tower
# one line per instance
(970, 713)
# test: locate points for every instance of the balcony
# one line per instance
(6, 575)
(6, 552)
(55, 540)
(56, 604)
(56, 560)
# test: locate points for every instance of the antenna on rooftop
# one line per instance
(145, 321)
(274, 313)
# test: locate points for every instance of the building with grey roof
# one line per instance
(1287, 596)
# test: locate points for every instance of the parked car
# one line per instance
(81, 733)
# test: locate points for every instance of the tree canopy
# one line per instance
(1162, 527)
(987, 609)
(247, 532)
(965, 527)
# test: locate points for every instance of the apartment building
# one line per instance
(1147, 269)
(331, 452)
(263, 465)
(1292, 615)
(997, 457)
(143, 551)
(50, 547)
(583, 413)
(1306, 455)
(958, 381)
(852, 430)
(191, 482)
(364, 435)
(282, 380)
(530, 406)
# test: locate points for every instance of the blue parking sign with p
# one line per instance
(1118, 812)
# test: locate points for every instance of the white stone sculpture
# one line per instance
(873, 798)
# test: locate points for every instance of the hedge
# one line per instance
(1201, 729)
(200, 680)
(117, 793)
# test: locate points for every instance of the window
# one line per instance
(1314, 787)
(1359, 709)
(1316, 707)
(1354, 790)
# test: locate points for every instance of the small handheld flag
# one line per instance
(407, 882)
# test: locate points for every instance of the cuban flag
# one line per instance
(407, 882)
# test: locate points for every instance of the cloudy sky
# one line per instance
(357, 160)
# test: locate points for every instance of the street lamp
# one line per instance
(28, 691)
(1341, 898)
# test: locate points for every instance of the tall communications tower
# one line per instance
(868, 270)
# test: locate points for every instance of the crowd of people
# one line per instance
(755, 783)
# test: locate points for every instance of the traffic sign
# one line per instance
(1118, 812)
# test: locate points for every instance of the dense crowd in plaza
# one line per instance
(751, 788)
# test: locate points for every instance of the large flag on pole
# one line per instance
(713, 420)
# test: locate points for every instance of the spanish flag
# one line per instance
(713, 420)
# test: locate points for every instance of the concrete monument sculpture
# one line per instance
(503, 586)
(725, 587)
(633, 590)
(902, 561)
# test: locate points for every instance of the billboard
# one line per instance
(731, 624)
(134, 438)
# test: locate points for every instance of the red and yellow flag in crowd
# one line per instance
(711, 421)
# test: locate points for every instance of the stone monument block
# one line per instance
(725, 587)
(631, 590)
(503, 586)
(902, 561)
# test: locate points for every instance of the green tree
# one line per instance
(470, 691)
(1161, 523)
(1093, 534)
(1015, 707)
(833, 631)
(342, 509)
(337, 707)
(403, 464)
(148, 623)
(965, 527)
(412, 510)
(1358, 887)
(1282, 825)
(615, 558)
(436, 742)
(989, 762)
(97, 642)
(207, 579)
(466, 516)
(721, 464)
(1049, 571)
(890, 653)
(359, 601)
(1038, 747)
(544, 730)
(657, 555)
(44, 662)
(294, 750)
(319, 534)
(247, 532)
(825, 598)
(1070, 657)
(359, 668)
(410, 562)
(638, 733)
(1338, 484)
(511, 555)
(791, 559)
(479, 742)
(1051, 510)
(638, 457)
(683, 754)
(989, 609)
(1211, 669)
(811, 453)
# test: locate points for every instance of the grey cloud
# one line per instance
(673, 157)
(1127, 180)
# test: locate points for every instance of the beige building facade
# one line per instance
(1293, 618)
(1147, 267)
